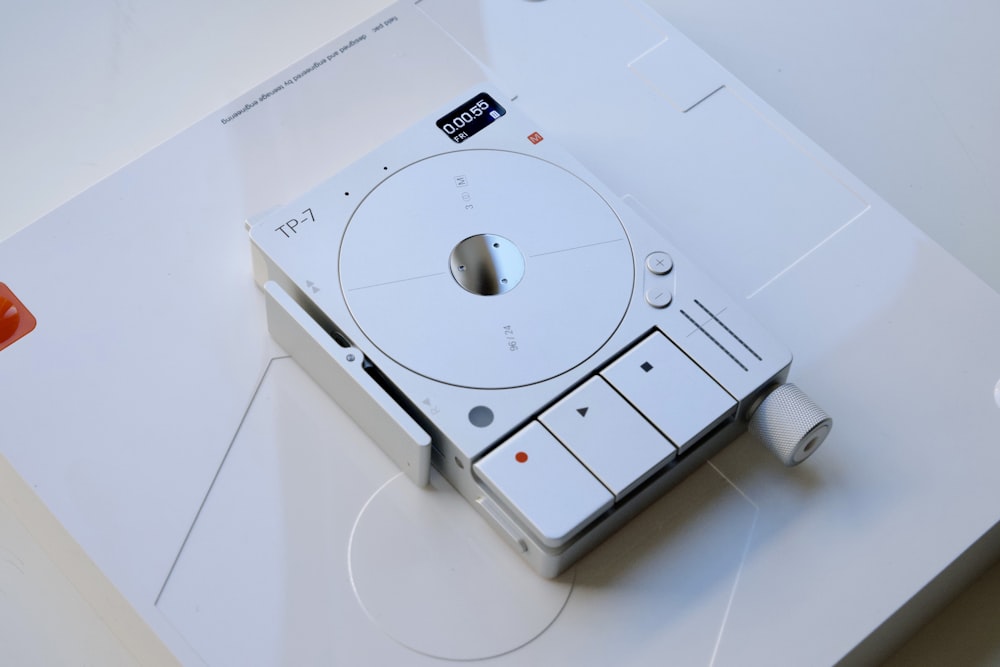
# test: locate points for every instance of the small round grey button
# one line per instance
(658, 297)
(481, 416)
(659, 263)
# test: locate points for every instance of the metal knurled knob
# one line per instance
(789, 424)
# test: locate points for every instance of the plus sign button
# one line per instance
(659, 263)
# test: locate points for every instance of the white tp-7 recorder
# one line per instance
(478, 301)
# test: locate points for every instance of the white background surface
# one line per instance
(906, 95)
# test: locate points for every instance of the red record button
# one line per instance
(16, 321)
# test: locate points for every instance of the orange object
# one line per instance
(16, 321)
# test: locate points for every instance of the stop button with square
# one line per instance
(670, 390)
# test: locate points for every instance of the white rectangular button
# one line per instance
(614, 441)
(543, 484)
(669, 389)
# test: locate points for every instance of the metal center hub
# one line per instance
(487, 264)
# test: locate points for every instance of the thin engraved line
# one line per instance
(215, 478)
(711, 338)
(648, 51)
(813, 249)
(733, 484)
(739, 570)
(579, 247)
(350, 545)
(393, 282)
(728, 330)
(571, 574)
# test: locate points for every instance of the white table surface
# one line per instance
(905, 94)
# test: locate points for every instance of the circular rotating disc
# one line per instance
(404, 293)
